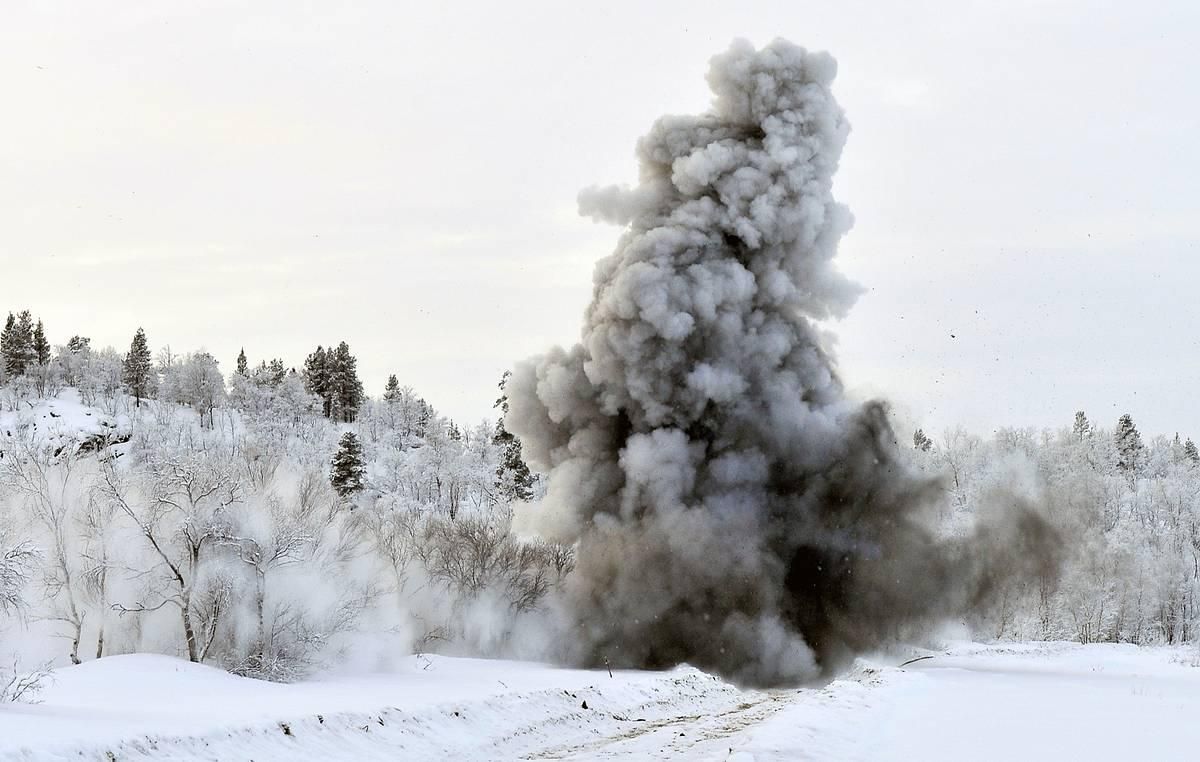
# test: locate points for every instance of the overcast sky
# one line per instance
(274, 175)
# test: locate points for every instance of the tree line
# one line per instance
(254, 521)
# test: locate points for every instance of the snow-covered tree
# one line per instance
(138, 368)
(16, 344)
(48, 484)
(73, 358)
(196, 381)
(332, 375)
(101, 380)
(317, 378)
(391, 391)
(921, 441)
(348, 469)
(346, 390)
(1130, 450)
(513, 479)
(1082, 427)
(18, 559)
(1190, 453)
(41, 347)
(179, 499)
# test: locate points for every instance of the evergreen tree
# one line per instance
(1082, 428)
(316, 378)
(77, 345)
(346, 390)
(453, 432)
(138, 367)
(921, 441)
(391, 392)
(41, 347)
(271, 373)
(276, 371)
(513, 480)
(24, 347)
(7, 337)
(16, 344)
(423, 416)
(348, 470)
(1130, 450)
(1190, 453)
(242, 368)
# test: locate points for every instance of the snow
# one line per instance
(1027, 701)
(62, 422)
(1096, 702)
(1033, 701)
(145, 706)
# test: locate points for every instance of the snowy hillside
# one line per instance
(1031, 702)
(62, 424)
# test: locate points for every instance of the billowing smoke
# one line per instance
(732, 508)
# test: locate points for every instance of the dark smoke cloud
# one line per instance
(733, 509)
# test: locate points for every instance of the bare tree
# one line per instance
(288, 538)
(18, 686)
(473, 554)
(17, 563)
(96, 523)
(46, 483)
(180, 508)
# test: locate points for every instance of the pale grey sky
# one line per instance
(402, 176)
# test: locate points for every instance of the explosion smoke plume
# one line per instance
(732, 508)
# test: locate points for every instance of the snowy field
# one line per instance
(1037, 701)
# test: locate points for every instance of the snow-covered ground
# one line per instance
(1053, 702)
(61, 423)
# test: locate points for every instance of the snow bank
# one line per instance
(143, 706)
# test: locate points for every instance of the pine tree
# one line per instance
(1130, 450)
(513, 480)
(137, 368)
(24, 346)
(242, 368)
(7, 337)
(1190, 453)
(391, 392)
(921, 441)
(316, 378)
(16, 344)
(423, 416)
(276, 371)
(41, 347)
(345, 389)
(1082, 427)
(79, 345)
(348, 470)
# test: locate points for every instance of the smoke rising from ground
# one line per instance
(733, 508)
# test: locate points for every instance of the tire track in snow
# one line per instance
(670, 737)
